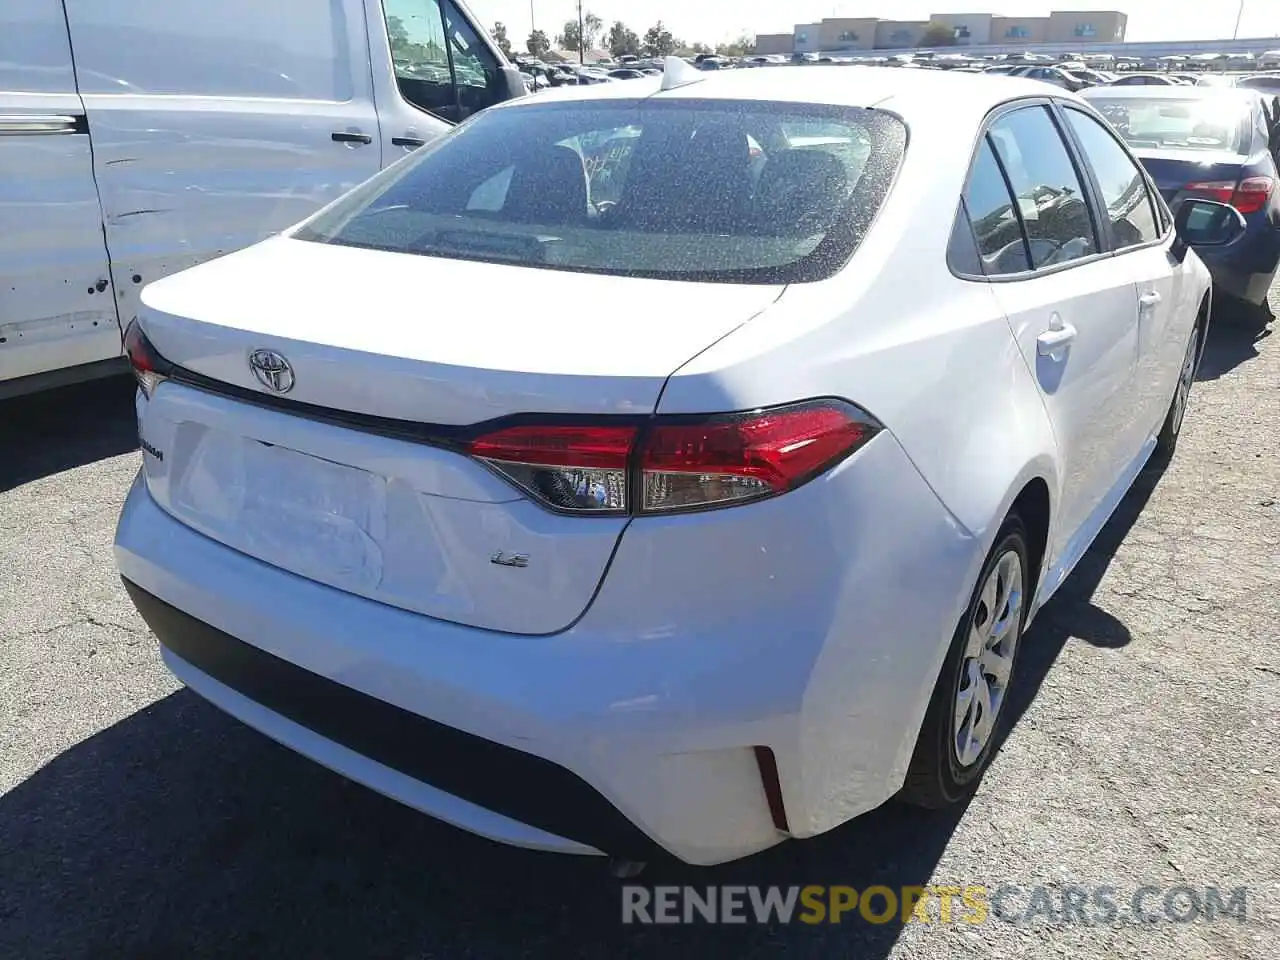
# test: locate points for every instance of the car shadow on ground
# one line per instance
(47, 433)
(1234, 335)
(179, 832)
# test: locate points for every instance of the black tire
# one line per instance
(936, 777)
(1167, 439)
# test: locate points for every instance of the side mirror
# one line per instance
(510, 84)
(1207, 223)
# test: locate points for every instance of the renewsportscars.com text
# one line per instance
(968, 904)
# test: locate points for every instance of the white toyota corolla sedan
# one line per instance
(670, 466)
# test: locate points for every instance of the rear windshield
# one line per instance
(693, 190)
(1209, 123)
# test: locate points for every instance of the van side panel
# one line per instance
(214, 124)
(56, 304)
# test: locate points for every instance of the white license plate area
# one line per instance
(320, 519)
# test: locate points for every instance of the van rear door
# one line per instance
(218, 124)
(57, 309)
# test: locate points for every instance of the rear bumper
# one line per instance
(814, 626)
(1251, 287)
(550, 799)
(1246, 269)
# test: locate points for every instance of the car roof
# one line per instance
(914, 94)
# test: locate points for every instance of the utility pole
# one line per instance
(532, 24)
(582, 41)
(1239, 16)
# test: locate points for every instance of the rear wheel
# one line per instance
(1167, 441)
(964, 714)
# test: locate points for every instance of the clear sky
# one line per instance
(711, 21)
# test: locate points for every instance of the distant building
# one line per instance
(836, 34)
(767, 43)
(847, 33)
(1020, 29)
(969, 29)
(1087, 26)
(807, 38)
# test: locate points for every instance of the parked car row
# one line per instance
(539, 75)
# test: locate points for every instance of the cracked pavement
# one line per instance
(137, 821)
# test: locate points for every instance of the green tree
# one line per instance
(621, 39)
(591, 27)
(741, 47)
(537, 44)
(568, 38)
(397, 32)
(581, 42)
(658, 41)
(501, 39)
(937, 34)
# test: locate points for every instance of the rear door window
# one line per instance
(1047, 189)
(1130, 208)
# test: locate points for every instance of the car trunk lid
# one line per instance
(1172, 170)
(354, 477)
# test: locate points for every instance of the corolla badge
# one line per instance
(272, 370)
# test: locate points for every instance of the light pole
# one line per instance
(1239, 16)
(582, 41)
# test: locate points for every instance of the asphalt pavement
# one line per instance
(137, 821)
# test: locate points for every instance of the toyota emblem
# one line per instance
(272, 370)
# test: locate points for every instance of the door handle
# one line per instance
(339, 136)
(412, 142)
(1052, 342)
(1149, 299)
(31, 126)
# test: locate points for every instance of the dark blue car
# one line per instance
(1214, 144)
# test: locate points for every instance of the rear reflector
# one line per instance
(673, 464)
(768, 764)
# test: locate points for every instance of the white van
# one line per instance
(141, 137)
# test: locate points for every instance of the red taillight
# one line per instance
(149, 368)
(1253, 194)
(680, 463)
(746, 456)
(604, 447)
(1248, 196)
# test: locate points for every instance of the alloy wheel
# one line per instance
(1185, 379)
(987, 666)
